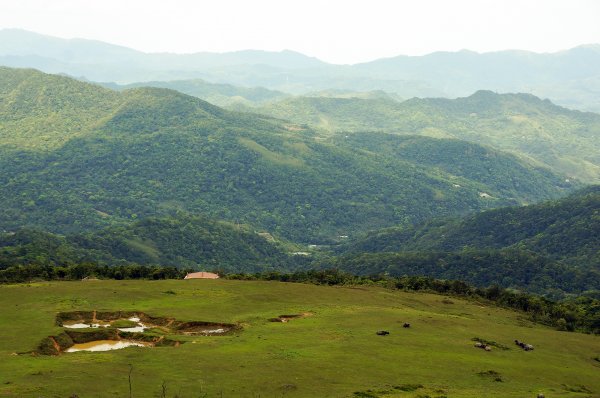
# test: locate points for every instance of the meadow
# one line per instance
(332, 352)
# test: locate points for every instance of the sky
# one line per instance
(335, 31)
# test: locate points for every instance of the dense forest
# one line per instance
(563, 229)
(77, 157)
(150, 176)
(181, 241)
(549, 248)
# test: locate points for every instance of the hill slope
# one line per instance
(546, 248)
(561, 139)
(152, 151)
(180, 241)
(563, 228)
(339, 333)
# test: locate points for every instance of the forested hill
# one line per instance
(551, 248)
(567, 228)
(180, 241)
(76, 157)
(562, 139)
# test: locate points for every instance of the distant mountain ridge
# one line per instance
(562, 139)
(218, 94)
(570, 78)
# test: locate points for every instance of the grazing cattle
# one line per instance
(383, 333)
(540, 395)
(526, 347)
(483, 346)
(406, 325)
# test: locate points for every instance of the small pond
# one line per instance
(138, 327)
(106, 345)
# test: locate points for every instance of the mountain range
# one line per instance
(76, 157)
(569, 78)
(558, 138)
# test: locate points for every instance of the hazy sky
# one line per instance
(339, 31)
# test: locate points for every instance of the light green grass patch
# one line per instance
(335, 352)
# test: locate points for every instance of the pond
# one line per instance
(107, 345)
(138, 326)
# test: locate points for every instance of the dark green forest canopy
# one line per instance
(182, 241)
(549, 248)
(78, 157)
(564, 228)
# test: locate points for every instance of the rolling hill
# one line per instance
(77, 156)
(560, 228)
(546, 248)
(559, 138)
(331, 351)
(179, 241)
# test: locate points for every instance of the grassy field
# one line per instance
(332, 353)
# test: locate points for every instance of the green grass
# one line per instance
(333, 353)
(123, 323)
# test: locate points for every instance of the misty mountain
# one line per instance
(218, 94)
(570, 78)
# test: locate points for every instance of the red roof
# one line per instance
(201, 275)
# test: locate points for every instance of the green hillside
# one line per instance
(546, 248)
(561, 139)
(562, 228)
(150, 151)
(330, 350)
(181, 241)
(43, 112)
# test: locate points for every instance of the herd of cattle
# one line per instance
(486, 347)
(525, 346)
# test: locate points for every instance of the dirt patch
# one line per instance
(93, 317)
(109, 319)
(56, 345)
(289, 317)
(204, 328)
(129, 327)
